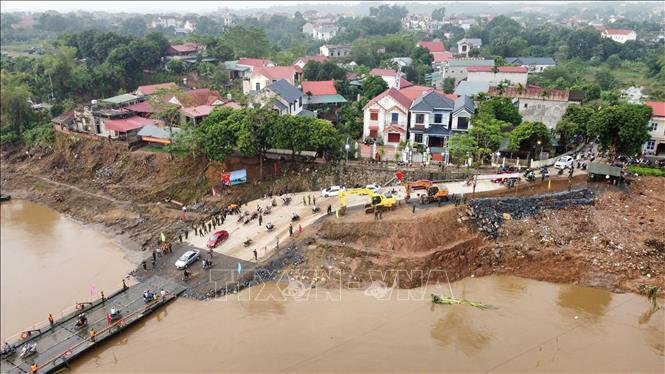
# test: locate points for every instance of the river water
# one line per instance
(538, 327)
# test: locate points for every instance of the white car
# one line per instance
(564, 162)
(373, 186)
(331, 191)
(187, 259)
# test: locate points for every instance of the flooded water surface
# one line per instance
(537, 326)
(49, 263)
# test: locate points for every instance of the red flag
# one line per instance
(399, 175)
(226, 179)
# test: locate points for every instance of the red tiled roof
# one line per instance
(197, 111)
(618, 31)
(501, 69)
(403, 83)
(151, 88)
(442, 56)
(142, 107)
(658, 108)
(276, 72)
(395, 94)
(317, 58)
(433, 46)
(414, 92)
(319, 88)
(127, 124)
(256, 62)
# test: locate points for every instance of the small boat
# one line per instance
(4, 197)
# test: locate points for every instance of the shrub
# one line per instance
(40, 137)
(647, 171)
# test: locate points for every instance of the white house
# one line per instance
(284, 97)
(496, 75)
(339, 50)
(393, 78)
(386, 117)
(457, 68)
(324, 31)
(261, 77)
(619, 35)
(430, 119)
(656, 145)
(464, 46)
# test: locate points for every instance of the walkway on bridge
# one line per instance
(63, 341)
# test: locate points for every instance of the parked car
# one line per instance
(187, 259)
(564, 162)
(331, 191)
(373, 186)
(217, 238)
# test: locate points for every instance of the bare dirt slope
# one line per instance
(617, 244)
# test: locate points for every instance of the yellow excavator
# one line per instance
(378, 202)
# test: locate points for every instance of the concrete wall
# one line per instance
(548, 112)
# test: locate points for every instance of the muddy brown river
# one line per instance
(538, 326)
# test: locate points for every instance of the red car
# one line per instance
(217, 238)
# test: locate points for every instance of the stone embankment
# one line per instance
(490, 213)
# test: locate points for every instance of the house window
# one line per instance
(651, 145)
(393, 137)
(462, 123)
(258, 86)
(374, 116)
(654, 126)
(300, 101)
(394, 117)
(418, 138)
(438, 118)
(420, 118)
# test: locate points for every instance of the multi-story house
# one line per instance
(386, 117)
(324, 31)
(457, 68)
(464, 46)
(656, 144)
(283, 96)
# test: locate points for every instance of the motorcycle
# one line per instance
(28, 350)
(294, 217)
(7, 350)
(316, 209)
(268, 210)
(270, 226)
(247, 242)
(115, 314)
(286, 200)
(205, 264)
(81, 322)
(529, 175)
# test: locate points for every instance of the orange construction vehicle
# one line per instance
(435, 193)
(421, 184)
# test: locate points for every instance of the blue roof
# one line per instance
(430, 102)
(531, 60)
(285, 90)
(471, 88)
(464, 103)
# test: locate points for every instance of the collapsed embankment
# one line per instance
(616, 243)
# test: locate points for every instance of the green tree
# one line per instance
(500, 108)
(488, 135)
(15, 111)
(134, 26)
(621, 129)
(247, 41)
(438, 14)
(387, 11)
(175, 66)
(462, 145)
(160, 41)
(254, 133)
(580, 43)
(614, 61)
(527, 135)
(373, 86)
(449, 85)
(208, 26)
(605, 79)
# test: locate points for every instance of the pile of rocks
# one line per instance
(490, 213)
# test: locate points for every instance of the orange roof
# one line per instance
(658, 108)
(151, 88)
(203, 96)
(413, 92)
(276, 72)
(319, 88)
(433, 46)
(197, 111)
(501, 69)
